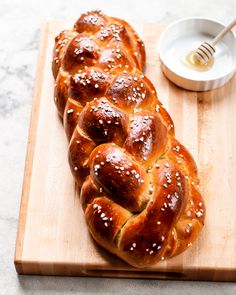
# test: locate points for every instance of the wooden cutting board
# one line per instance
(52, 236)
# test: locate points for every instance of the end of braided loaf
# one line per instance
(138, 183)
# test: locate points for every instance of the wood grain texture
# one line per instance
(52, 235)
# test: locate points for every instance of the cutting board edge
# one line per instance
(24, 267)
(30, 146)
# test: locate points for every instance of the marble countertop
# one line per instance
(20, 22)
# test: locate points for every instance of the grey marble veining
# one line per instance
(20, 23)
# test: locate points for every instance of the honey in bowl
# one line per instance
(192, 63)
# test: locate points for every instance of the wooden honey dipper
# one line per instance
(207, 49)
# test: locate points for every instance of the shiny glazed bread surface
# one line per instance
(138, 183)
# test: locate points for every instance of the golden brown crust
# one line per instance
(138, 183)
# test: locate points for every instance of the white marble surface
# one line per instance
(20, 23)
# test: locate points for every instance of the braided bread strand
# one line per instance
(138, 183)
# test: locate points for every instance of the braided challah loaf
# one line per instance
(138, 183)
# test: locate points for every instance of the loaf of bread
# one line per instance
(138, 184)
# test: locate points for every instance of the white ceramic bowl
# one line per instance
(187, 34)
